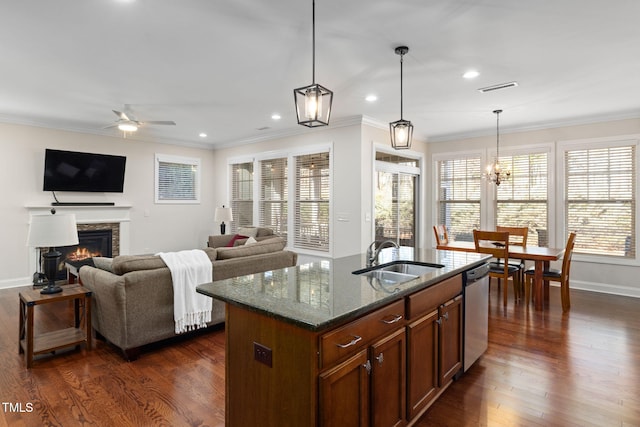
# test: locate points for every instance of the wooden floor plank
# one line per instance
(545, 368)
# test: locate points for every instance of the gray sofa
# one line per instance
(133, 296)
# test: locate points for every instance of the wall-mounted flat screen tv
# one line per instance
(87, 172)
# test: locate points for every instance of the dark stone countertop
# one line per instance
(322, 294)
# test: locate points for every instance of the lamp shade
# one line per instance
(223, 214)
(46, 231)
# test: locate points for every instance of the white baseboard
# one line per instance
(14, 283)
(605, 288)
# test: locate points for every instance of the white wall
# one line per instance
(153, 227)
(585, 273)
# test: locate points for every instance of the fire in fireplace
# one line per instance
(91, 243)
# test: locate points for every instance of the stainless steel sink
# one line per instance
(398, 271)
(410, 268)
(388, 278)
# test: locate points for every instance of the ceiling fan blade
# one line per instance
(159, 122)
(121, 115)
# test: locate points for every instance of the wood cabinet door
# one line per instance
(450, 342)
(344, 393)
(422, 362)
(388, 380)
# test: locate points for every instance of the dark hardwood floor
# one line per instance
(541, 369)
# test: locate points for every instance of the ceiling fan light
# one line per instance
(128, 126)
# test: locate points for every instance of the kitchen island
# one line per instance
(318, 345)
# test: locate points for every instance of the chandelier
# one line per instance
(313, 102)
(495, 173)
(401, 130)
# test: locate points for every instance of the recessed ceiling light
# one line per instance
(371, 98)
(276, 116)
(471, 74)
(202, 135)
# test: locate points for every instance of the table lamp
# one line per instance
(52, 231)
(223, 214)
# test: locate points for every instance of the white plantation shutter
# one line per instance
(312, 194)
(522, 199)
(177, 179)
(459, 184)
(600, 198)
(274, 195)
(242, 195)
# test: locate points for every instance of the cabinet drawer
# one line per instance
(348, 339)
(427, 299)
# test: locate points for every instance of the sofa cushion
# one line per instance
(124, 264)
(270, 245)
(103, 263)
(248, 231)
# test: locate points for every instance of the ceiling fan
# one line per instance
(128, 123)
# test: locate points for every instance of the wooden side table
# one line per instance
(48, 342)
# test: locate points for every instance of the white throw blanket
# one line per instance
(189, 268)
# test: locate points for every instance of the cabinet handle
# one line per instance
(439, 320)
(367, 366)
(354, 341)
(446, 316)
(380, 358)
(396, 318)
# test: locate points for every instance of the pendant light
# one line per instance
(313, 102)
(494, 172)
(401, 130)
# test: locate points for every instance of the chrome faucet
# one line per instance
(373, 251)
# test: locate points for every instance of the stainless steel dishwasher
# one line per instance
(476, 314)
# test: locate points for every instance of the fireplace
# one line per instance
(94, 240)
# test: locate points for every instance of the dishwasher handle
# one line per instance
(477, 273)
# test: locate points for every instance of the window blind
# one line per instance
(242, 195)
(312, 194)
(522, 200)
(274, 195)
(459, 184)
(177, 179)
(395, 207)
(600, 205)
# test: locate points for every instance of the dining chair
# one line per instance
(553, 275)
(496, 243)
(517, 237)
(442, 234)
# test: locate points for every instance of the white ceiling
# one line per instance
(224, 67)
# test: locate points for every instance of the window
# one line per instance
(242, 195)
(600, 197)
(522, 199)
(458, 196)
(177, 179)
(274, 195)
(396, 198)
(301, 218)
(313, 188)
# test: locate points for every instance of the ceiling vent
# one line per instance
(498, 87)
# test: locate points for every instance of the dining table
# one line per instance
(541, 256)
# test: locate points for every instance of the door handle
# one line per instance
(380, 358)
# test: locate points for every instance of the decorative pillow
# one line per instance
(248, 231)
(234, 238)
(103, 263)
(250, 241)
